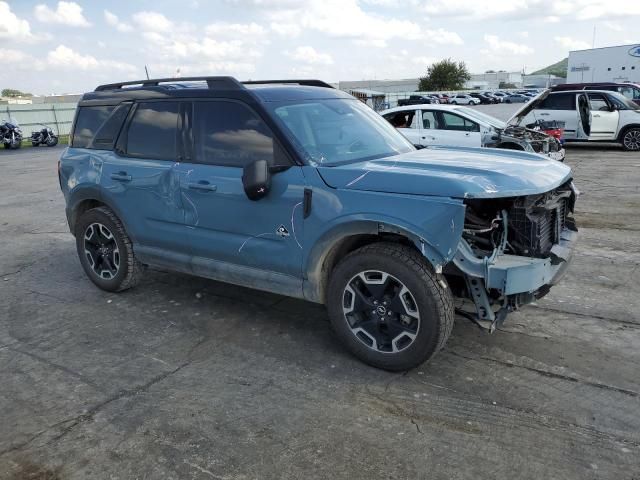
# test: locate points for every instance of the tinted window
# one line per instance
(558, 101)
(228, 133)
(455, 122)
(107, 134)
(153, 131)
(88, 121)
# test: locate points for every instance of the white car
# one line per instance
(462, 99)
(452, 125)
(593, 115)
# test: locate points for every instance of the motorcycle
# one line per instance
(44, 137)
(10, 134)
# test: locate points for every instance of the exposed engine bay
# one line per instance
(525, 139)
(531, 226)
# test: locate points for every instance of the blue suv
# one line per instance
(297, 188)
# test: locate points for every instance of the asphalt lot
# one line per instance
(188, 378)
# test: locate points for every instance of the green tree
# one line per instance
(445, 75)
(10, 92)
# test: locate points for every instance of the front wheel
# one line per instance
(52, 141)
(388, 307)
(454, 103)
(106, 251)
(15, 144)
(631, 139)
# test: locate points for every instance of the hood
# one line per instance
(527, 107)
(457, 172)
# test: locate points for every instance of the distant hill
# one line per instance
(558, 69)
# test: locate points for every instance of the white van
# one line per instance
(600, 115)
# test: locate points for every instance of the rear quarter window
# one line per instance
(88, 121)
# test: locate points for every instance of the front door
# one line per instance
(605, 118)
(458, 131)
(253, 243)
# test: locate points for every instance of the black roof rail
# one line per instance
(308, 83)
(218, 83)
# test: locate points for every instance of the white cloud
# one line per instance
(65, 57)
(504, 47)
(12, 27)
(113, 21)
(344, 19)
(242, 30)
(442, 37)
(66, 13)
(310, 56)
(571, 43)
(286, 29)
(153, 21)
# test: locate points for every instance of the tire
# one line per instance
(52, 142)
(35, 144)
(507, 101)
(630, 139)
(15, 145)
(408, 329)
(98, 252)
(6, 145)
(454, 103)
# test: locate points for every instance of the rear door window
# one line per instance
(558, 101)
(598, 102)
(153, 131)
(429, 120)
(88, 121)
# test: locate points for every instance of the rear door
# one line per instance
(605, 118)
(140, 181)
(429, 132)
(253, 243)
(560, 107)
(456, 130)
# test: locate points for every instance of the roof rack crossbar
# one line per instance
(308, 83)
(221, 83)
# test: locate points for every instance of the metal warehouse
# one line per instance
(609, 64)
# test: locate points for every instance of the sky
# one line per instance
(72, 46)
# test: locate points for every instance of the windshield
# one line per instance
(622, 102)
(483, 117)
(335, 131)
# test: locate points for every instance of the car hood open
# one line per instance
(457, 172)
(527, 107)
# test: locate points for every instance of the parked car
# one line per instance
(501, 95)
(484, 99)
(443, 97)
(464, 99)
(496, 98)
(516, 98)
(587, 115)
(427, 125)
(300, 189)
(629, 90)
(417, 100)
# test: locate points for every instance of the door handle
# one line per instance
(597, 115)
(545, 114)
(203, 185)
(121, 177)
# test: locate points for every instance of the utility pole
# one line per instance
(146, 71)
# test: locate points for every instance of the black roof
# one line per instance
(211, 87)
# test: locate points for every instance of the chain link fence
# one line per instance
(31, 117)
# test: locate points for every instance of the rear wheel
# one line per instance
(105, 251)
(631, 139)
(388, 308)
(52, 141)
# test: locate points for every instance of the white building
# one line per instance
(492, 80)
(608, 64)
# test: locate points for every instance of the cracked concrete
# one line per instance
(184, 377)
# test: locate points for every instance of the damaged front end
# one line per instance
(529, 140)
(511, 252)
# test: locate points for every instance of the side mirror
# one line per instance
(256, 179)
